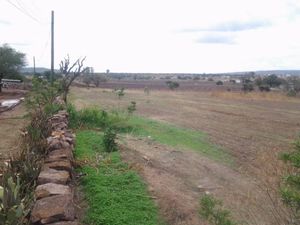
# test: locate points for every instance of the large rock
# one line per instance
(54, 143)
(66, 223)
(57, 143)
(59, 165)
(50, 189)
(53, 209)
(53, 176)
(60, 154)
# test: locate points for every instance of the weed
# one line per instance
(290, 192)
(19, 178)
(115, 194)
(120, 92)
(131, 108)
(211, 210)
(185, 138)
(109, 142)
(160, 132)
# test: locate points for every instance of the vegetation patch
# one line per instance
(177, 137)
(115, 194)
(164, 133)
(290, 190)
(212, 210)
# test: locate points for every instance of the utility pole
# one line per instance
(52, 46)
(33, 65)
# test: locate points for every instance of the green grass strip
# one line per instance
(178, 137)
(116, 195)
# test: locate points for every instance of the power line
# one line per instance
(23, 11)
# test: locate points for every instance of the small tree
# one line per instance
(272, 81)
(120, 92)
(69, 73)
(147, 90)
(172, 84)
(248, 87)
(132, 107)
(98, 79)
(219, 82)
(11, 62)
(109, 138)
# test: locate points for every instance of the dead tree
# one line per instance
(69, 73)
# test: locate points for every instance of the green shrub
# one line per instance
(247, 87)
(93, 117)
(264, 88)
(88, 118)
(291, 93)
(172, 84)
(120, 92)
(109, 140)
(132, 107)
(290, 191)
(211, 210)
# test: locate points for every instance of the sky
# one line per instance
(165, 36)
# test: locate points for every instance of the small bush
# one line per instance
(264, 88)
(93, 117)
(291, 93)
(132, 107)
(89, 117)
(120, 92)
(219, 82)
(211, 210)
(109, 142)
(147, 90)
(290, 191)
(247, 87)
(172, 84)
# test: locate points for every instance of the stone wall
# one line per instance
(54, 195)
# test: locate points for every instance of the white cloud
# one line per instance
(142, 36)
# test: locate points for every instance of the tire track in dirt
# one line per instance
(177, 179)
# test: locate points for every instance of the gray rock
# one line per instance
(50, 189)
(53, 209)
(53, 176)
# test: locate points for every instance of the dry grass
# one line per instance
(254, 127)
(269, 96)
(11, 122)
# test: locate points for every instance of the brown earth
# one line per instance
(177, 179)
(11, 122)
(253, 128)
(185, 85)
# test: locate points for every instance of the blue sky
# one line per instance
(190, 36)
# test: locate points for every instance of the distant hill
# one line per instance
(268, 72)
(279, 72)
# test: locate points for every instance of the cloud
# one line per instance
(18, 44)
(4, 22)
(233, 26)
(216, 39)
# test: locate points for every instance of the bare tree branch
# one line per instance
(70, 73)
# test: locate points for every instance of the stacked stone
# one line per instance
(54, 197)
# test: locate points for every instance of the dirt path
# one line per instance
(10, 124)
(177, 179)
